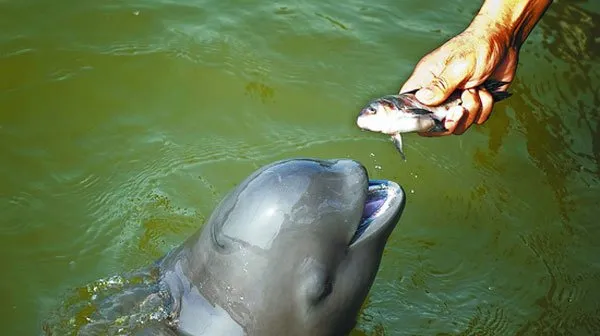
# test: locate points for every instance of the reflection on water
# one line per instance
(123, 124)
(567, 307)
(561, 127)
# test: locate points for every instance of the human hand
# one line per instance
(464, 62)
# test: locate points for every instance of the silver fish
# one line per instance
(403, 113)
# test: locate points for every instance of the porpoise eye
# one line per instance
(327, 289)
(317, 283)
(321, 290)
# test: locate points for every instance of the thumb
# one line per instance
(442, 86)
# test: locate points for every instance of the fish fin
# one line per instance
(438, 126)
(397, 139)
(492, 86)
(419, 111)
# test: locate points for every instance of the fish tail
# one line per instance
(492, 85)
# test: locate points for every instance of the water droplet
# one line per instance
(136, 13)
(372, 154)
(412, 191)
(378, 167)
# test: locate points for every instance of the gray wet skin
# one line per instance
(277, 256)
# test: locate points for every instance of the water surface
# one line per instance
(122, 124)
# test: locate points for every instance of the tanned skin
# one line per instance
(488, 48)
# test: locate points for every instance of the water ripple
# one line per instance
(488, 321)
(567, 307)
(112, 306)
(13, 205)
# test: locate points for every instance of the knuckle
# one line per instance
(441, 83)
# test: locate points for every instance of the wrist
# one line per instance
(491, 30)
(509, 20)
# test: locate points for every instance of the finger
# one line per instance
(442, 86)
(487, 102)
(454, 118)
(455, 114)
(433, 135)
(420, 77)
(472, 104)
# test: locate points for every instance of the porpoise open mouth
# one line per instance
(379, 196)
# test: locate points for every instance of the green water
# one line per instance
(122, 124)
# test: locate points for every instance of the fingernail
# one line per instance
(425, 94)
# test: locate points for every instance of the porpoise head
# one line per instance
(295, 247)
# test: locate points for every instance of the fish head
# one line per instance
(376, 115)
(391, 115)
